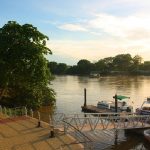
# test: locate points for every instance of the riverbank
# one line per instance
(22, 133)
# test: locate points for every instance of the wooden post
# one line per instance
(31, 111)
(0, 109)
(9, 112)
(116, 103)
(26, 112)
(84, 97)
(52, 134)
(116, 137)
(39, 120)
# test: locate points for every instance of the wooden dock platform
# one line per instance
(94, 109)
(22, 133)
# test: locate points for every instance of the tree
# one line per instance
(100, 65)
(52, 66)
(104, 65)
(84, 66)
(72, 70)
(145, 66)
(137, 61)
(57, 68)
(61, 68)
(122, 62)
(24, 73)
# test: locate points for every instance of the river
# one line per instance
(70, 95)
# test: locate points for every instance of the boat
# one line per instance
(94, 74)
(122, 105)
(145, 108)
(147, 134)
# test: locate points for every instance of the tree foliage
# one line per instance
(84, 66)
(104, 65)
(24, 73)
(57, 68)
(120, 64)
(137, 60)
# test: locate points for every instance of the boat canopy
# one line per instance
(121, 97)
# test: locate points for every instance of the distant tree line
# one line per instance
(120, 64)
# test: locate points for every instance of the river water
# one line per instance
(70, 95)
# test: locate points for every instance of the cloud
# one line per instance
(135, 26)
(138, 2)
(139, 34)
(94, 50)
(121, 26)
(72, 27)
(109, 28)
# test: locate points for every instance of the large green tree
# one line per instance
(61, 68)
(145, 66)
(122, 62)
(104, 65)
(84, 66)
(52, 66)
(137, 61)
(24, 73)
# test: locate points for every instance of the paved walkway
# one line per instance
(22, 133)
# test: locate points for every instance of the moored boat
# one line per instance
(147, 134)
(94, 74)
(121, 105)
(145, 108)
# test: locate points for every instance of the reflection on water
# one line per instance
(132, 142)
(112, 140)
(70, 97)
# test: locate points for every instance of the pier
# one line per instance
(93, 109)
(26, 132)
(106, 121)
(23, 133)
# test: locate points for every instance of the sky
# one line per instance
(85, 29)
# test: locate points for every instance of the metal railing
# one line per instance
(84, 121)
(78, 123)
(103, 121)
(13, 112)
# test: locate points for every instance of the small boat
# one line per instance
(94, 75)
(147, 134)
(121, 105)
(145, 108)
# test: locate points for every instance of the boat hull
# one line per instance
(147, 134)
(143, 112)
(111, 107)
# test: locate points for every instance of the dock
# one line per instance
(91, 108)
(22, 133)
(94, 109)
